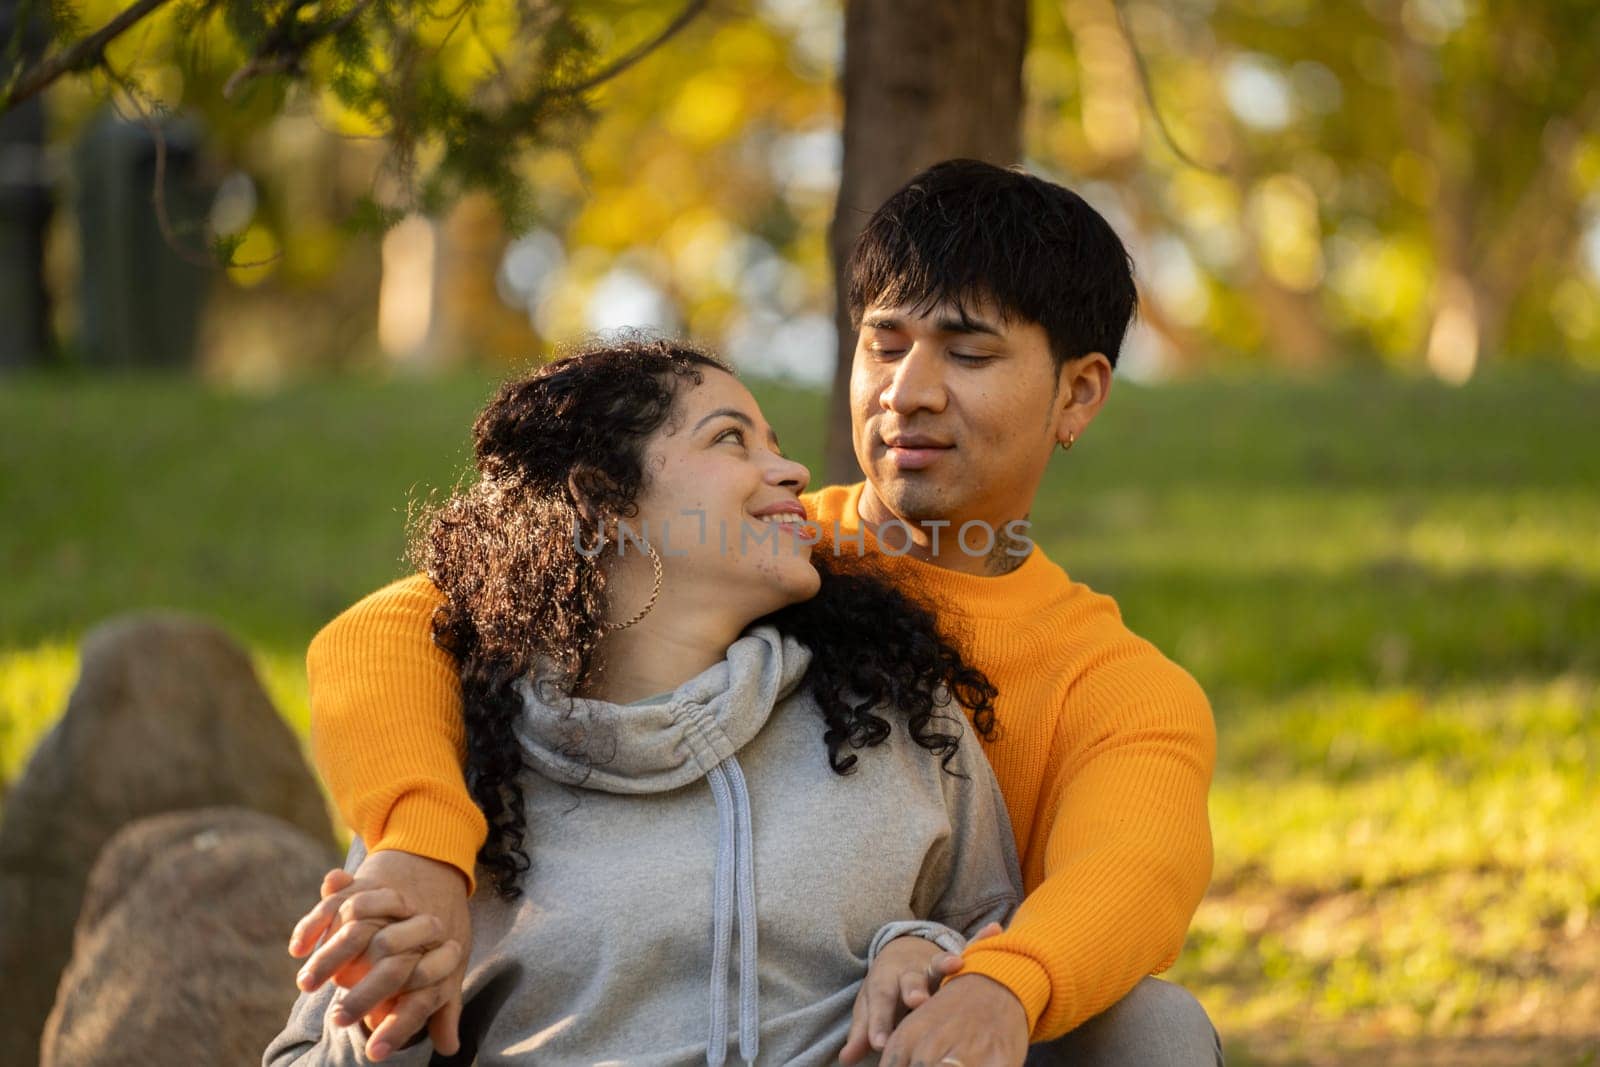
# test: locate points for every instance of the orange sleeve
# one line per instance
(1128, 847)
(387, 732)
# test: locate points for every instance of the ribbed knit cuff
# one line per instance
(938, 933)
(437, 826)
(1026, 977)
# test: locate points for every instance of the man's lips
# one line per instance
(911, 452)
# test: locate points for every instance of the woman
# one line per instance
(719, 774)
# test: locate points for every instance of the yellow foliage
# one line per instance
(672, 166)
(1283, 214)
(469, 41)
(619, 217)
(314, 253)
(1383, 284)
(1210, 209)
(695, 243)
(160, 86)
(346, 121)
(1415, 177)
(708, 109)
(1586, 163)
(260, 252)
(746, 44)
(1576, 310)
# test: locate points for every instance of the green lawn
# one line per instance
(1391, 591)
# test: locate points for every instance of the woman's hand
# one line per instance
(973, 1021)
(905, 974)
(392, 938)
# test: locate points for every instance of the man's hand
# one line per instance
(905, 974)
(394, 938)
(973, 1021)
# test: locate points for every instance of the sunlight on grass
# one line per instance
(34, 684)
(283, 675)
(1398, 863)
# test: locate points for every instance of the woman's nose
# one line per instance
(789, 474)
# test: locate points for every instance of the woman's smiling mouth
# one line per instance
(788, 517)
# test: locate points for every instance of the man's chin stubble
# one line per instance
(915, 503)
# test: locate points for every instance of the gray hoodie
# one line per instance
(702, 882)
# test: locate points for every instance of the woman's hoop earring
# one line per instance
(1066, 446)
(655, 562)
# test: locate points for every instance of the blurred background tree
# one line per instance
(1413, 182)
(1409, 183)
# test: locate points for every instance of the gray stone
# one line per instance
(179, 954)
(167, 715)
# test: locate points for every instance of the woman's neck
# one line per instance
(659, 653)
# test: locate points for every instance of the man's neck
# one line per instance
(989, 550)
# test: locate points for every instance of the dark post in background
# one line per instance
(24, 214)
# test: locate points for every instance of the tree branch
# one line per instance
(81, 55)
(280, 53)
(1145, 83)
(690, 11)
(146, 113)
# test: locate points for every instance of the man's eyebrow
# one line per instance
(739, 416)
(967, 324)
(948, 324)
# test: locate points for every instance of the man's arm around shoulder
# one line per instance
(387, 732)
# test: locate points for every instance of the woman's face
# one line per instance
(721, 505)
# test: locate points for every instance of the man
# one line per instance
(991, 308)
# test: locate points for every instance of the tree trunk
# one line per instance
(923, 80)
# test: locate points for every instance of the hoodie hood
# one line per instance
(654, 748)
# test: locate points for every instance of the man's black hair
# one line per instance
(963, 232)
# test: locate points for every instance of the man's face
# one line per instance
(954, 417)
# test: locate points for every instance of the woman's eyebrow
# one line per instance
(732, 413)
(739, 416)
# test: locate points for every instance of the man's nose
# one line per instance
(917, 383)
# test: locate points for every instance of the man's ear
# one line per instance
(1082, 386)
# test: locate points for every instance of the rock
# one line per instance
(167, 715)
(179, 953)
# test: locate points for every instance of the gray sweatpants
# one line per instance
(1158, 1024)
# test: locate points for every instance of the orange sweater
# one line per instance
(1105, 753)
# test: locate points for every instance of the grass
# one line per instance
(1390, 589)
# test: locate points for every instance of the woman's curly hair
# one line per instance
(559, 455)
